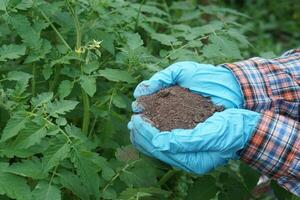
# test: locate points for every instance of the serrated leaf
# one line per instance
(137, 177)
(41, 99)
(46, 191)
(65, 88)
(61, 121)
(18, 76)
(44, 49)
(60, 107)
(119, 101)
(108, 41)
(3, 4)
(88, 84)
(91, 67)
(127, 153)
(35, 136)
(116, 75)
(54, 155)
(73, 183)
(164, 39)
(14, 125)
(25, 4)
(238, 36)
(24, 29)
(12, 51)
(14, 186)
(88, 171)
(134, 40)
(28, 168)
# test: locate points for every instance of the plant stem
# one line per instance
(33, 81)
(54, 82)
(85, 98)
(86, 112)
(167, 176)
(118, 174)
(55, 30)
(77, 25)
(138, 15)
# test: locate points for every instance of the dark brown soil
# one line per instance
(177, 107)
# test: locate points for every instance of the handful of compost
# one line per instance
(181, 127)
(176, 107)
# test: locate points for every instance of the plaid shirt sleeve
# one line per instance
(272, 87)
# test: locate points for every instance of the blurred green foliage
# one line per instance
(68, 69)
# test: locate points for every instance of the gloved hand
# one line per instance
(209, 144)
(218, 83)
(199, 150)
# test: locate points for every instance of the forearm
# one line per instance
(270, 84)
(273, 150)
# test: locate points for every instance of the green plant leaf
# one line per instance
(41, 99)
(205, 187)
(46, 191)
(116, 75)
(13, 186)
(12, 51)
(34, 137)
(14, 125)
(61, 107)
(18, 76)
(54, 155)
(24, 29)
(137, 177)
(134, 41)
(127, 153)
(88, 171)
(28, 168)
(3, 4)
(88, 84)
(164, 39)
(65, 88)
(73, 183)
(119, 101)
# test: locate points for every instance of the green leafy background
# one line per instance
(68, 69)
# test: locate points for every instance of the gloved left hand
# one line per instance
(199, 150)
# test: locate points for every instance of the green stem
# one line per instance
(55, 30)
(110, 182)
(138, 16)
(77, 25)
(33, 81)
(85, 98)
(167, 176)
(86, 112)
(54, 82)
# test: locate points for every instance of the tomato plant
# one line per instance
(68, 69)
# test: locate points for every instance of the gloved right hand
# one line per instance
(218, 83)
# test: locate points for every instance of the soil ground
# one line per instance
(177, 107)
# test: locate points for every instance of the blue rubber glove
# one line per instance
(218, 83)
(199, 150)
(209, 144)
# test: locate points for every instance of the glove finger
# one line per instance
(144, 145)
(225, 130)
(159, 80)
(204, 137)
(137, 107)
(195, 162)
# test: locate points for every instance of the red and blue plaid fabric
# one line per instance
(272, 87)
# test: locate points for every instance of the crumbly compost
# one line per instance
(177, 107)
